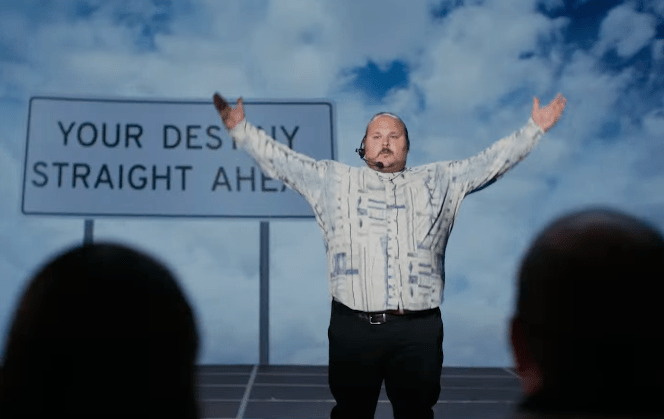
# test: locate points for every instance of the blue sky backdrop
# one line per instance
(462, 74)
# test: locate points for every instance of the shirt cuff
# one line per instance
(532, 127)
(238, 132)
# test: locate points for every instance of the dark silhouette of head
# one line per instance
(101, 331)
(587, 332)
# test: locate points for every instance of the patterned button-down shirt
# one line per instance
(385, 233)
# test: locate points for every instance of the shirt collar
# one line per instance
(394, 177)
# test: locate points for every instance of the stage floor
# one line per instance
(301, 391)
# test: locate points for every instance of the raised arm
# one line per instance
(298, 171)
(483, 169)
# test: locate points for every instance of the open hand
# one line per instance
(547, 116)
(230, 116)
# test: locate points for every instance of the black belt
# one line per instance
(380, 317)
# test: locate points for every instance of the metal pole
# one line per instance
(88, 230)
(264, 300)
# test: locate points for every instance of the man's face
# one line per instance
(386, 144)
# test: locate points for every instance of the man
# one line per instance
(385, 229)
(105, 331)
(587, 333)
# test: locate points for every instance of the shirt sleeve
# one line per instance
(298, 171)
(481, 170)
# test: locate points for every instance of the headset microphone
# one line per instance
(360, 151)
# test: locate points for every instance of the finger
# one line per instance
(536, 103)
(240, 104)
(219, 102)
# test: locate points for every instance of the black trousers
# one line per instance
(406, 352)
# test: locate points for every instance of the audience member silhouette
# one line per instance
(101, 331)
(587, 332)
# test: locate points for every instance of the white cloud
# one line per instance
(307, 46)
(658, 50)
(552, 5)
(218, 272)
(381, 30)
(10, 180)
(654, 123)
(657, 7)
(468, 68)
(591, 94)
(472, 331)
(625, 30)
(12, 26)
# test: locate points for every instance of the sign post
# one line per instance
(264, 295)
(88, 230)
(114, 157)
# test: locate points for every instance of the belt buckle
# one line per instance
(378, 318)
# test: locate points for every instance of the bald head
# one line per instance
(589, 300)
(390, 115)
(386, 143)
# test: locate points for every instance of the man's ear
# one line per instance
(526, 367)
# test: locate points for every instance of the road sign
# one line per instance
(163, 158)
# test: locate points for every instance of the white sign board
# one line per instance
(163, 158)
